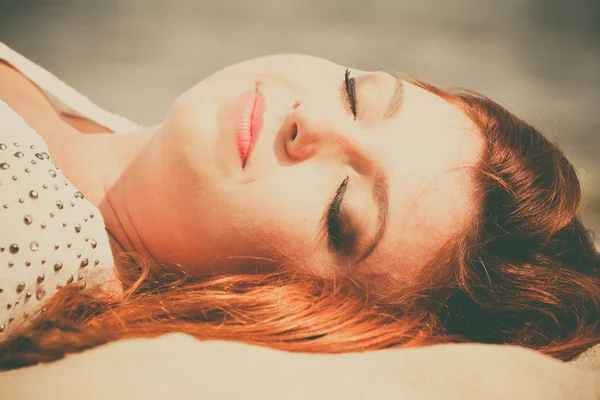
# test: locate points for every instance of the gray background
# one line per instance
(539, 58)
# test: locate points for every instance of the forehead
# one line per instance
(430, 147)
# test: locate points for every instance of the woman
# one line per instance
(290, 202)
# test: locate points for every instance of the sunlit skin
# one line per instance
(177, 191)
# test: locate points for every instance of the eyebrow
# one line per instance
(396, 100)
(381, 193)
(381, 184)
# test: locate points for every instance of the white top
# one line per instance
(50, 236)
(63, 97)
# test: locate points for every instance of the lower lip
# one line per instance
(248, 117)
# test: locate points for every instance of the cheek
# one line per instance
(189, 135)
(280, 213)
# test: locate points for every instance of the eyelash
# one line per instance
(334, 219)
(334, 216)
(350, 85)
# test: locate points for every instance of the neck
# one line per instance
(109, 171)
(106, 168)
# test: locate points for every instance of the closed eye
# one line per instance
(350, 94)
(342, 238)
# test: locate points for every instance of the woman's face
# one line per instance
(359, 173)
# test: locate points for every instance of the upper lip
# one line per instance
(253, 130)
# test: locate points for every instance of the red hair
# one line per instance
(525, 272)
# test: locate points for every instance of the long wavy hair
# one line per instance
(525, 272)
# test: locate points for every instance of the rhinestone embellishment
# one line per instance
(24, 249)
(40, 293)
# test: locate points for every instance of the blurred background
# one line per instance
(538, 58)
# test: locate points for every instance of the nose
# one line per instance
(316, 131)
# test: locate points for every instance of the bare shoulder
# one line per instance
(31, 103)
(26, 99)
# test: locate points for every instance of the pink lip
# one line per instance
(248, 118)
